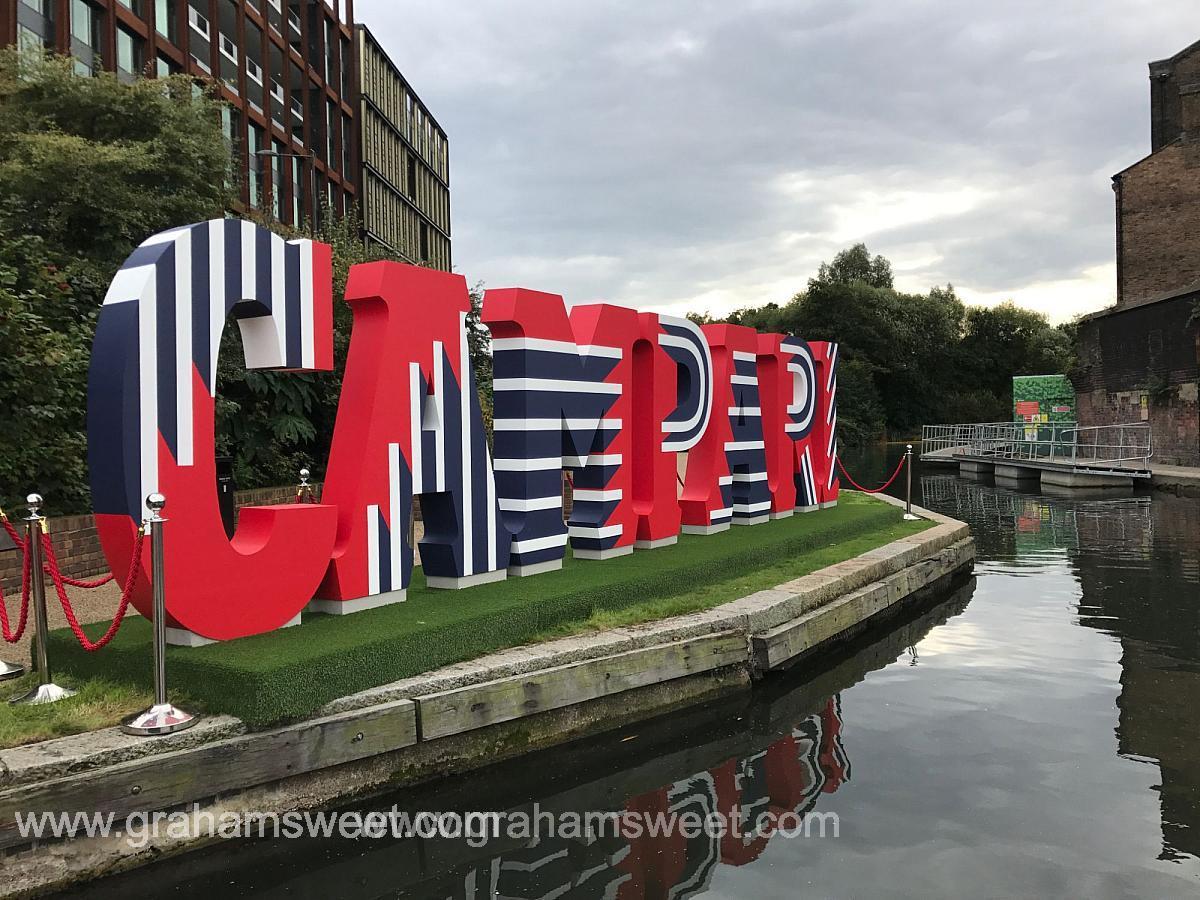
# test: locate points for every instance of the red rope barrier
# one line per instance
(879, 490)
(123, 607)
(11, 636)
(12, 531)
(86, 585)
(70, 582)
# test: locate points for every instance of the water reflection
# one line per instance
(781, 749)
(1137, 559)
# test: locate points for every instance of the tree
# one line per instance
(855, 264)
(89, 168)
(911, 359)
(43, 377)
(93, 166)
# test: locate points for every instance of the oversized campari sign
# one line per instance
(663, 426)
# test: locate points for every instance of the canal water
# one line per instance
(1035, 732)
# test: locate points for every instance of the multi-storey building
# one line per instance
(304, 90)
(285, 67)
(405, 187)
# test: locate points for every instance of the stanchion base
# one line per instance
(909, 517)
(9, 671)
(157, 720)
(42, 694)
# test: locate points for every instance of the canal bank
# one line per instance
(459, 718)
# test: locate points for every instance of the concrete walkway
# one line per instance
(1183, 480)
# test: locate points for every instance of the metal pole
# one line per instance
(908, 513)
(162, 717)
(46, 691)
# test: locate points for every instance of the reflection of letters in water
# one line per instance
(789, 776)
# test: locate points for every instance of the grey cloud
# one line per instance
(636, 151)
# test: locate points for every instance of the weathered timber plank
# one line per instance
(779, 645)
(182, 776)
(474, 706)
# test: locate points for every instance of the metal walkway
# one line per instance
(1060, 453)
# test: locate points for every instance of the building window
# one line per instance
(254, 145)
(331, 142)
(164, 19)
(86, 24)
(28, 39)
(347, 61)
(297, 191)
(135, 5)
(231, 124)
(277, 180)
(129, 53)
(35, 25)
(81, 22)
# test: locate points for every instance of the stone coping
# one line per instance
(746, 618)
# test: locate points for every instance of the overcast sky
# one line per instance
(705, 155)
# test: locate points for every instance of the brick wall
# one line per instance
(1143, 365)
(1158, 224)
(1174, 419)
(75, 544)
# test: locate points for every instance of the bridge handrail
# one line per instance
(1128, 442)
(944, 438)
(1125, 445)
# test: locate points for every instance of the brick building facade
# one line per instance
(1140, 360)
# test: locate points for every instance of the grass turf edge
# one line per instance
(289, 674)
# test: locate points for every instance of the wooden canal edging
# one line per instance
(451, 720)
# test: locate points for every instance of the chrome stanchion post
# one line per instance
(162, 717)
(46, 691)
(908, 513)
(304, 493)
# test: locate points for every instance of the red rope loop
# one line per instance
(26, 572)
(878, 490)
(86, 585)
(71, 582)
(123, 607)
(12, 532)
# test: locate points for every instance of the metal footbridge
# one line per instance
(1063, 454)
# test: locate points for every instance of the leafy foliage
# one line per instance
(913, 359)
(89, 167)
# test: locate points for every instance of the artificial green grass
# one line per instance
(290, 673)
